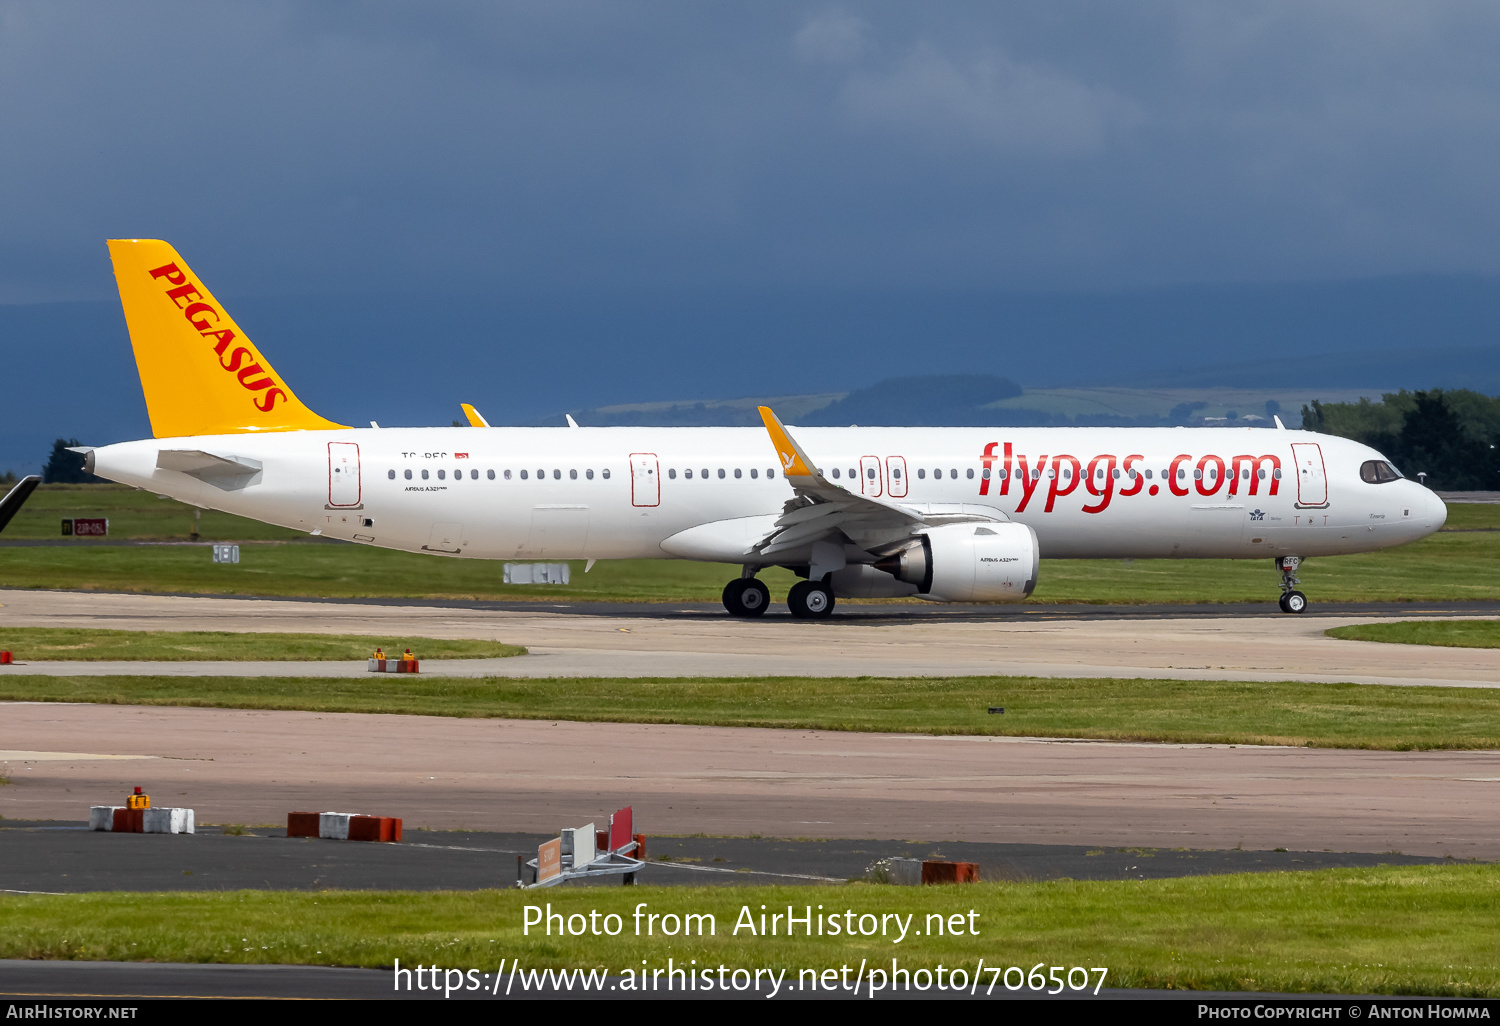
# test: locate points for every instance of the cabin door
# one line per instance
(343, 475)
(1312, 477)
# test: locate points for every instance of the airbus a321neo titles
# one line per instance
(947, 514)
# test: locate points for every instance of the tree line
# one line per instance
(1448, 435)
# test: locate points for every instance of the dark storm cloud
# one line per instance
(298, 148)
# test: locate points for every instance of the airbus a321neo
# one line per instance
(947, 514)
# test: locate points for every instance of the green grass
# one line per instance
(1227, 712)
(1427, 930)
(132, 515)
(88, 644)
(1449, 633)
(1443, 568)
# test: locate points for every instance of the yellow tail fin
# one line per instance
(201, 375)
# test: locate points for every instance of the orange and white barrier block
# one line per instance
(343, 826)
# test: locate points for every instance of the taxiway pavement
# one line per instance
(674, 641)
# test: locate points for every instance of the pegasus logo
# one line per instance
(787, 459)
(209, 323)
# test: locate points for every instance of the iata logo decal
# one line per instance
(243, 361)
(1256, 514)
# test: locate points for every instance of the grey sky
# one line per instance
(446, 147)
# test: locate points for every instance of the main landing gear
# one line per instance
(745, 596)
(1292, 601)
(808, 600)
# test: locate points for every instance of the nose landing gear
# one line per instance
(1292, 601)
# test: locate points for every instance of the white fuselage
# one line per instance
(620, 493)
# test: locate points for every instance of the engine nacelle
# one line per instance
(995, 562)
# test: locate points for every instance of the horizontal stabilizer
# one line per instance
(16, 498)
(225, 472)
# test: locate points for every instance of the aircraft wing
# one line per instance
(822, 508)
(16, 497)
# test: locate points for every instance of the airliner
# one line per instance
(945, 514)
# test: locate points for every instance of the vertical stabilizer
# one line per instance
(200, 373)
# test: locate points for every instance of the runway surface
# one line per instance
(67, 857)
(1195, 643)
(253, 767)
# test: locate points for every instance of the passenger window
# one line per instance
(474, 475)
(557, 475)
(835, 472)
(670, 473)
(541, 475)
(1148, 475)
(736, 471)
(1276, 473)
(507, 475)
(523, 475)
(986, 473)
(1067, 473)
(870, 473)
(705, 473)
(424, 475)
(771, 472)
(442, 475)
(754, 472)
(391, 474)
(604, 473)
(589, 474)
(852, 473)
(688, 473)
(407, 474)
(721, 473)
(1197, 475)
(896, 473)
(572, 475)
(921, 474)
(969, 473)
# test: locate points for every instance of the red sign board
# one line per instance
(85, 527)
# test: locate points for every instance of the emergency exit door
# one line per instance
(645, 479)
(343, 475)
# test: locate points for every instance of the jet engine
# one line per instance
(994, 562)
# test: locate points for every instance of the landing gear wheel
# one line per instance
(745, 596)
(810, 600)
(1293, 602)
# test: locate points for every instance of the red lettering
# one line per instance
(225, 336)
(1029, 482)
(1053, 491)
(188, 291)
(237, 357)
(1217, 479)
(1107, 492)
(265, 402)
(989, 461)
(171, 272)
(1138, 479)
(1005, 483)
(200, 308)
(1172, 475)
(254, 386)
(1254, 462)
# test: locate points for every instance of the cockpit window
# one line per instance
(1378, 472)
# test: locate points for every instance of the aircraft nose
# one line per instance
(1437, 509)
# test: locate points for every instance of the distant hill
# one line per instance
(411, 359)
